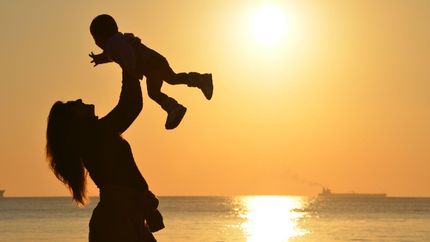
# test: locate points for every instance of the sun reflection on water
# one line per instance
(272, 218)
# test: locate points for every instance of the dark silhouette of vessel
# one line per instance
(327, 193)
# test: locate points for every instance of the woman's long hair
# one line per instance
(63, 150)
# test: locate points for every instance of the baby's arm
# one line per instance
(99, 58)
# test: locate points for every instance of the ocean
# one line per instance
(233, 219)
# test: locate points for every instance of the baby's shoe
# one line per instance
(174, 116)
(206, 85)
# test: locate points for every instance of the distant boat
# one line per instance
(1, 193)
(327, 193)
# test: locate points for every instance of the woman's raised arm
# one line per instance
(128, 108)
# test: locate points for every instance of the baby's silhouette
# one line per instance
(137, 60)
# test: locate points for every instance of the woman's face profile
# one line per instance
(82, 110)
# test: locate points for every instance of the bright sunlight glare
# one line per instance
(268, 24)
(272, 218)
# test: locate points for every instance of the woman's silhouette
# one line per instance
(78, 142)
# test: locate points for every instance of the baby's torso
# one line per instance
(145, 59)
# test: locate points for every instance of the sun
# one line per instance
(268, 24)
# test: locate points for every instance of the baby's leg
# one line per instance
(169, 76)
(153, 86)
(175, 111)
(193, 79)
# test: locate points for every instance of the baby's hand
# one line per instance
(97, 59)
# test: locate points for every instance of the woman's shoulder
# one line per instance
(102, 129)
(100, 137)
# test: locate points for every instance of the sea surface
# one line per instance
(233, 219)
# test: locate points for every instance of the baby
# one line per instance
(137, 60)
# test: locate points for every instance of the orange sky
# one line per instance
(340, 99)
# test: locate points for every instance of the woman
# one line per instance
(78, 142)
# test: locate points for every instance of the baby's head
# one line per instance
(102, 28)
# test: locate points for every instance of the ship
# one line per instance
(326, 192)
(2, 193)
